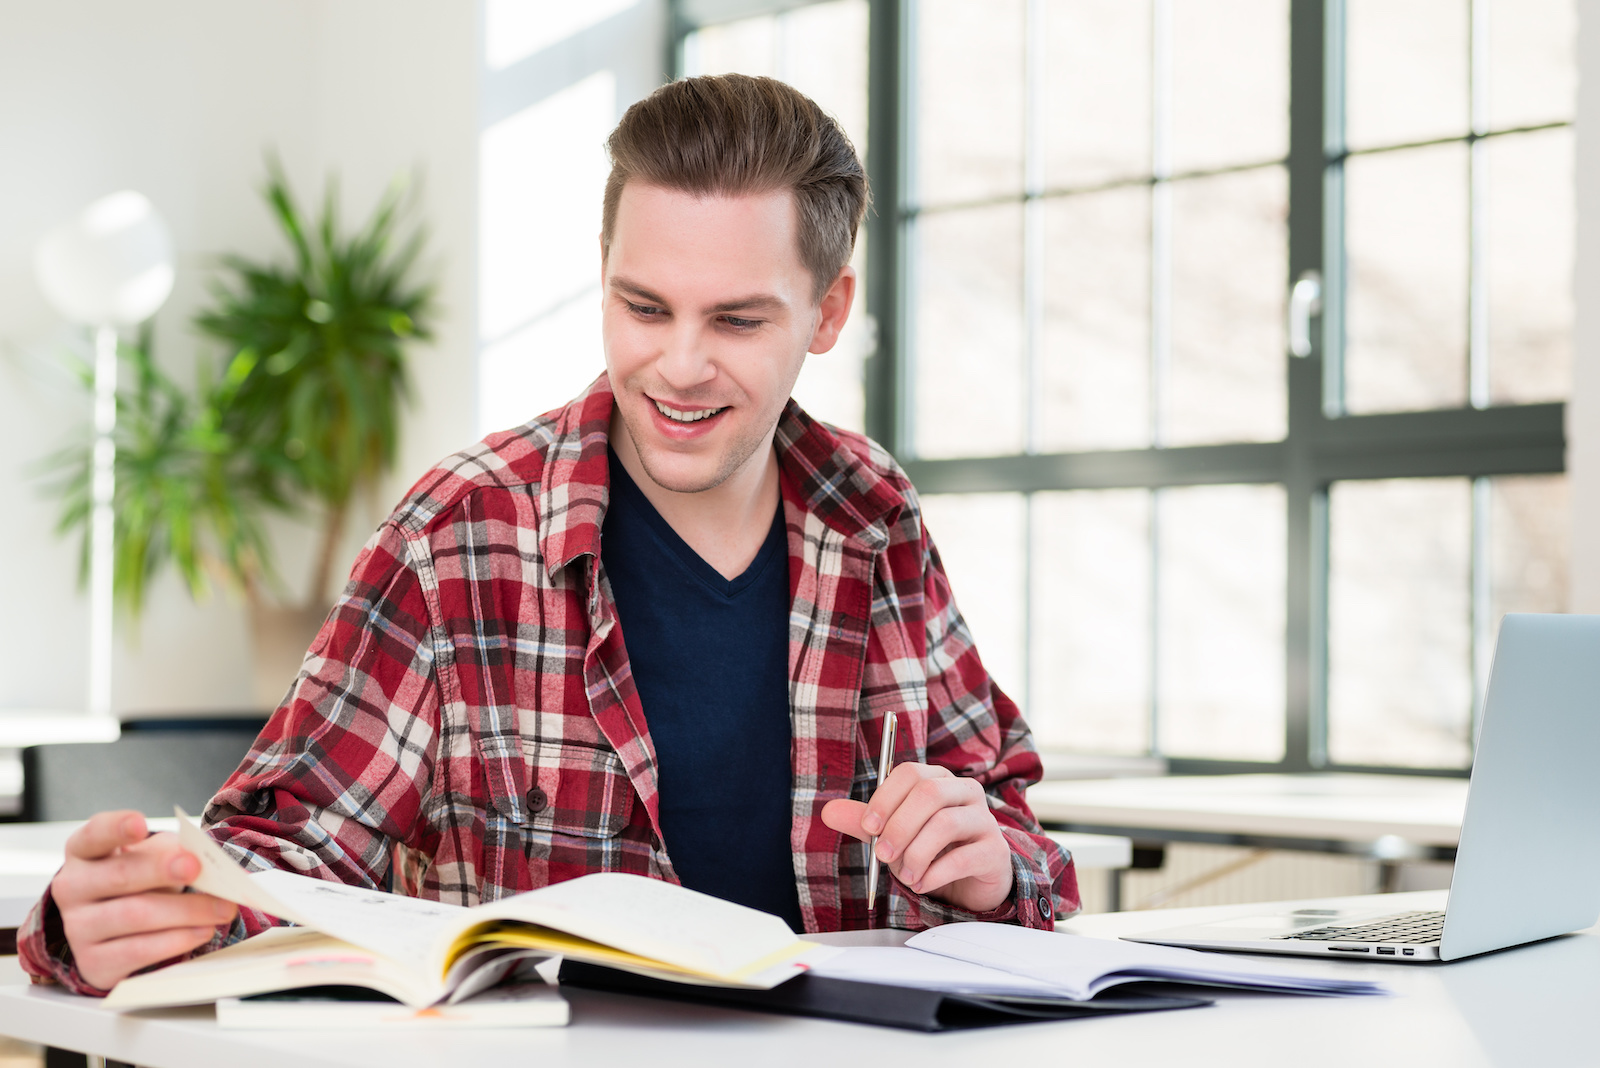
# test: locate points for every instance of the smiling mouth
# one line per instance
(686, 417)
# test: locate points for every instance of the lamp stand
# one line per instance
(102, 528)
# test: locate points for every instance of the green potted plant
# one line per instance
(299, 416)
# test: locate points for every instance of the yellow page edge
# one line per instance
(568, 945)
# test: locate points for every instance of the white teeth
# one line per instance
(686, 417)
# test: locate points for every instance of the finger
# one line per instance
(946, 829)
(984, 861)
(844, 816)
(919, 805)
(157, 863)
(893, 791)
(105, 833)
(108, 963)
(106, 921)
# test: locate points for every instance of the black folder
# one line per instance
(872, 1003)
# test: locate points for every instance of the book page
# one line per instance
(658, 920)
(1080, 967)
(903, 966)
(648, 918)
(221, 875)
(284, 958)
(404, 929)
(407, 930)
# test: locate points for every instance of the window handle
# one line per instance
(1305, 302)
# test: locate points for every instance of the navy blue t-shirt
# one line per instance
(710, 658)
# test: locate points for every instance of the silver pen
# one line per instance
(885, 762)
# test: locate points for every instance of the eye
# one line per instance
(741, 324)
(644, 311)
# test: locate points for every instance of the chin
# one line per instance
(689, 466)
(682, 474)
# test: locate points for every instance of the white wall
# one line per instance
(178, 99)
(1583, 413)
(398, 85)
(558, 79)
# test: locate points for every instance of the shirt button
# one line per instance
(538, 800)
(1044, 906)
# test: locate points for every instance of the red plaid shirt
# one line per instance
(466, 726)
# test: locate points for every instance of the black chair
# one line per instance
(156, 764)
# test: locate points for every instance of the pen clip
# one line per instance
(886, 743)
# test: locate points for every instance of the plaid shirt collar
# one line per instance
(825, 478)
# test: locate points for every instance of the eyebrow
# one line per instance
(754, 302)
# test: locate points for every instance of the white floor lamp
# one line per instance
(110, 267)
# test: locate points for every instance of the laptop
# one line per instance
(1527, 866)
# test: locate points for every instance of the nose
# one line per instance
(684, 362)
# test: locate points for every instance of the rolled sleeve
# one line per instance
(975, 730)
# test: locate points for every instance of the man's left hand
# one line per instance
(936, 833)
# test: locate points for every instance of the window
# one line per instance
(1169, 534)
(821, 49)
(554, 80)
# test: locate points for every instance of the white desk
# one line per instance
(22, 727)
(1092, 852)
(1527, 1006)
(1354, 810)
(30, 854)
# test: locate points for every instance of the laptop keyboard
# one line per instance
(1415, 928)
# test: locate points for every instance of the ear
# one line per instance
(834, 310)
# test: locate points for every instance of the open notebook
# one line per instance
(980, 974)
(1001, 960)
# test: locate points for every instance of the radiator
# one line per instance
(1230, 875)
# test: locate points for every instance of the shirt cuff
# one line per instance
(45, 954)
(1032, 904)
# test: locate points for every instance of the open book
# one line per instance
(1003, 961)
(425, 952)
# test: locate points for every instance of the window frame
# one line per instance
(1321, 445)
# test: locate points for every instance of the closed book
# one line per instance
(344, 1008)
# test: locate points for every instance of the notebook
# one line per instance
(979, 974)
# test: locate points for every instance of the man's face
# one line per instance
(708, 315)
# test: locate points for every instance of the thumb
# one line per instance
(844, 816)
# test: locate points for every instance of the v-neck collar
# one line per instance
(626, 491)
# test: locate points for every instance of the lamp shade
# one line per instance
(111, 266)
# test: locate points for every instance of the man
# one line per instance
(657, 631)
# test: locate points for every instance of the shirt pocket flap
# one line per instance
(579, 790)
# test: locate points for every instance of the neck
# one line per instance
(727, 524)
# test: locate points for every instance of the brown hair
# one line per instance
(731, 134)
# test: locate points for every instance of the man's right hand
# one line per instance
(120, 894)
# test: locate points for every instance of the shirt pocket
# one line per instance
(576, 790)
